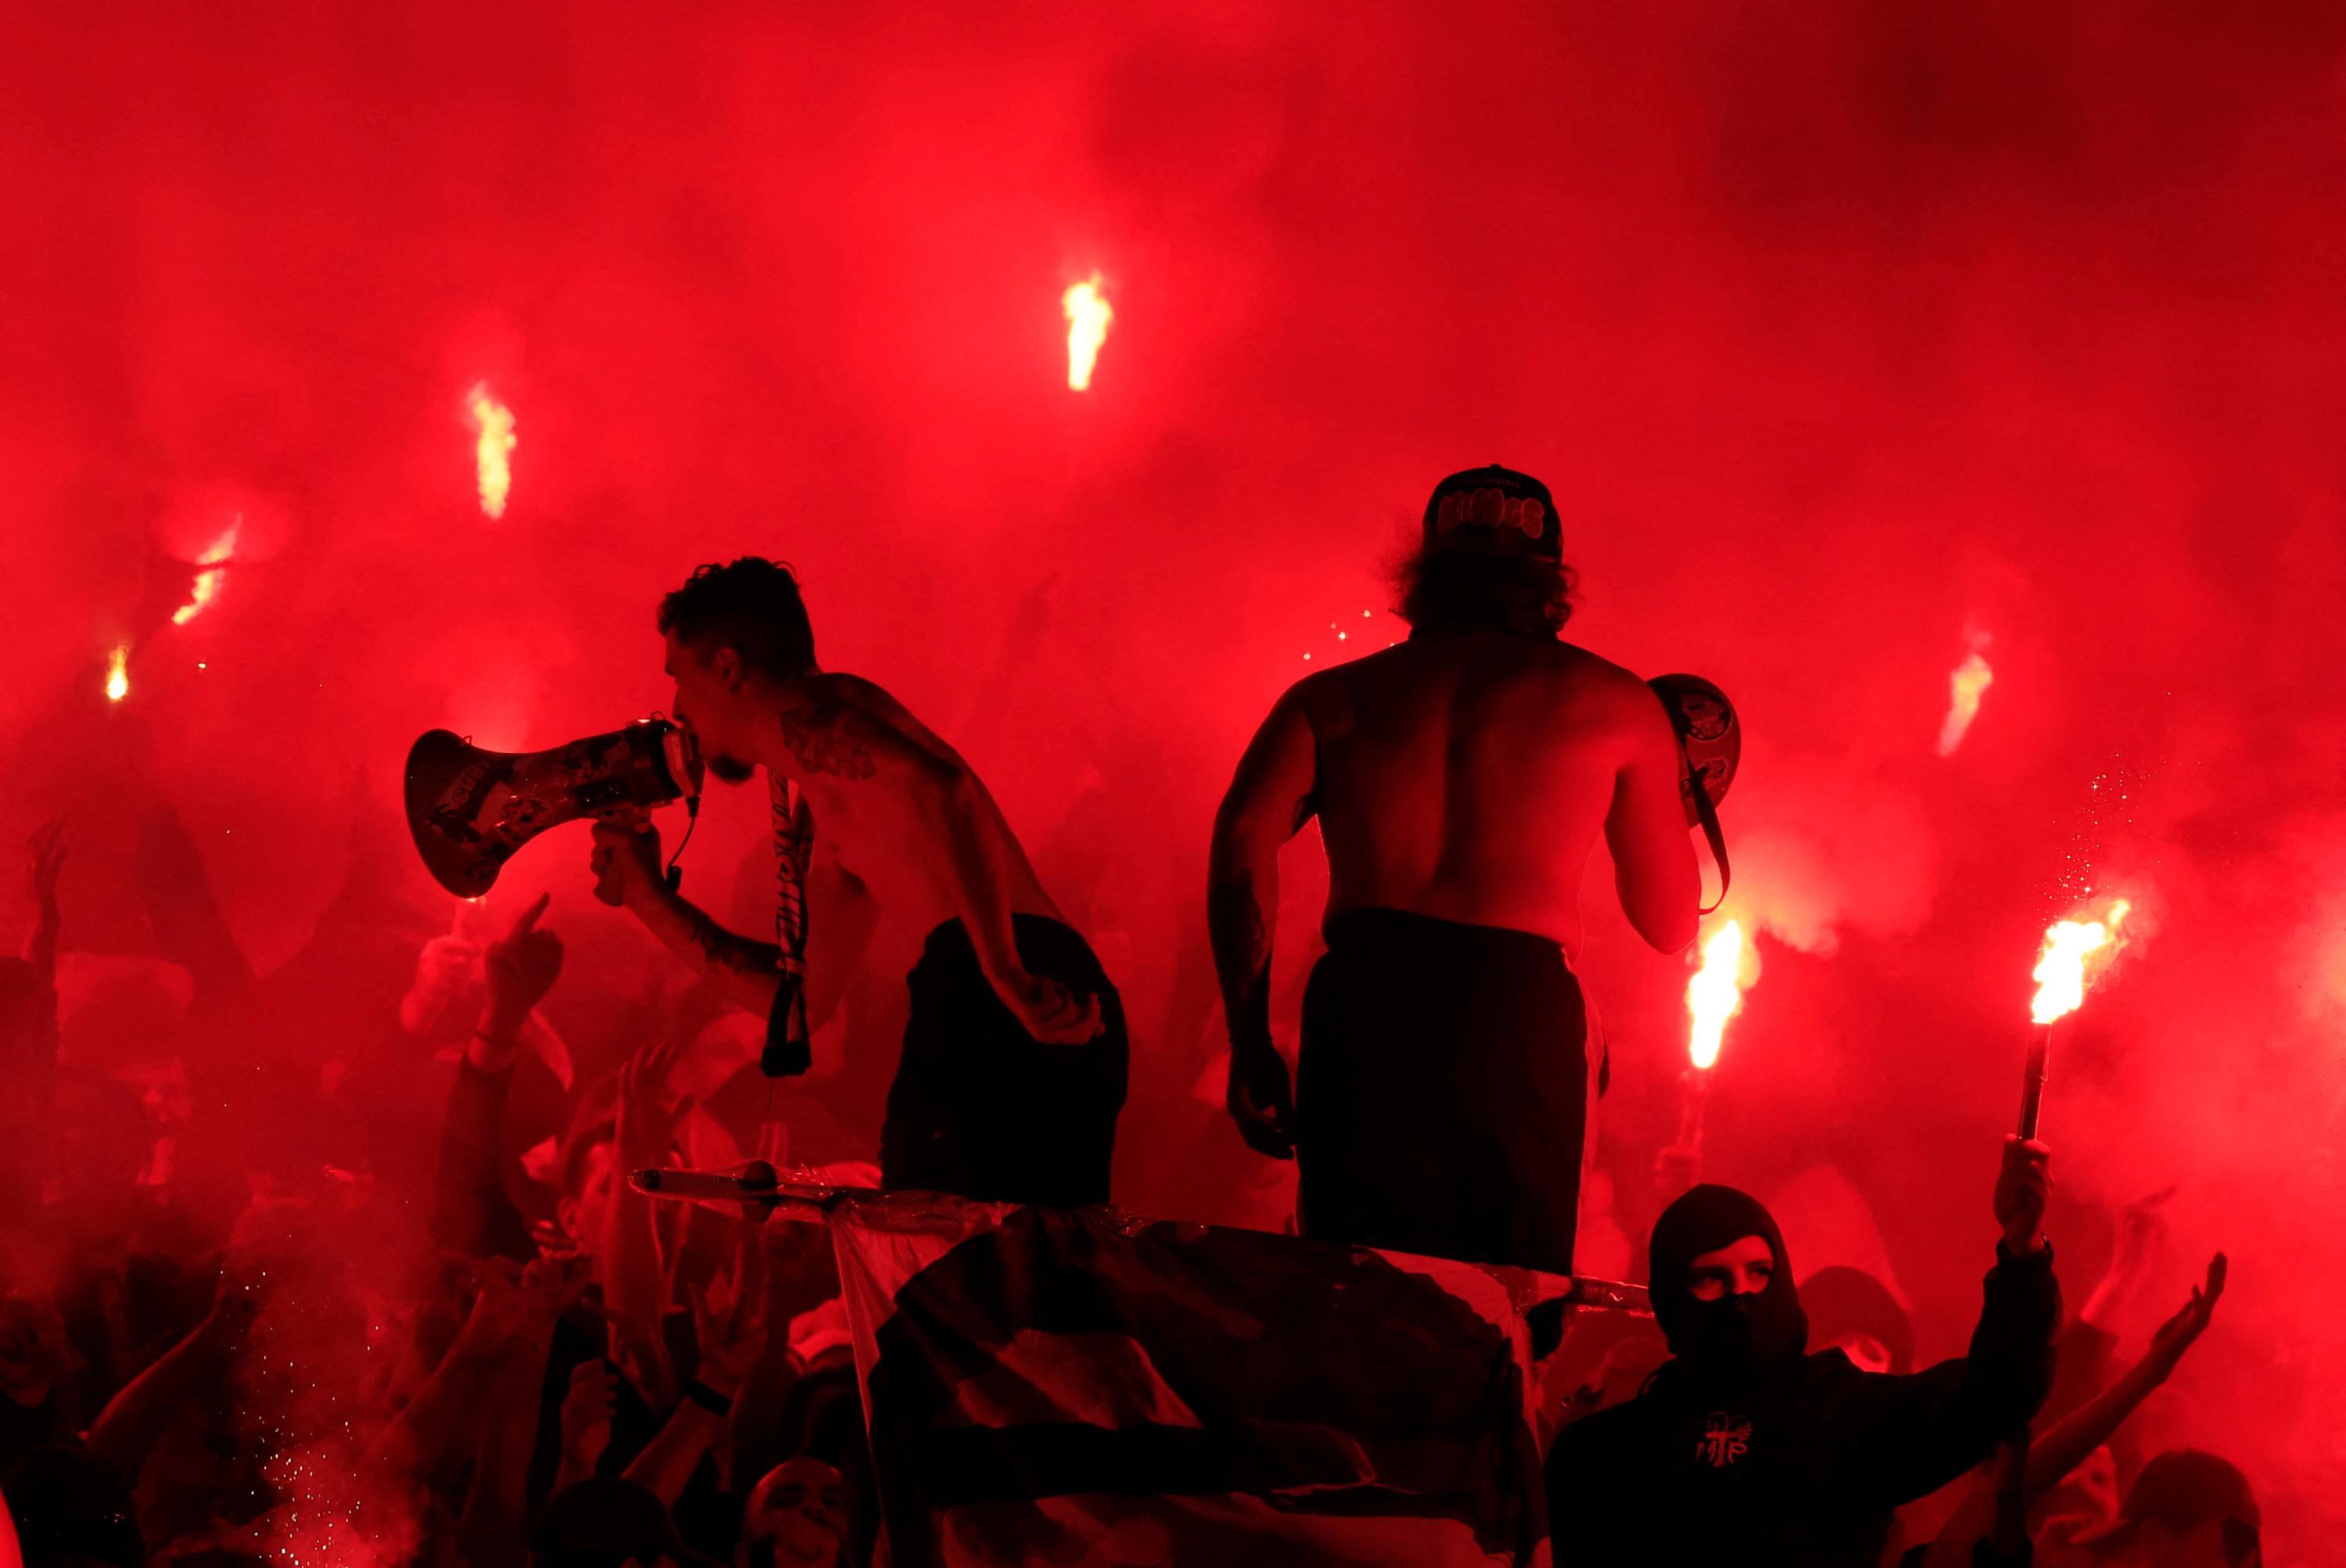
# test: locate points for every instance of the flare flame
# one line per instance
(207, 584)
(2060, 973)
(493, 452)
(1089, 315)
(1970, 679)
(117, 673)
(1714, 994)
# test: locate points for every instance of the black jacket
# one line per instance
(1806, 1464)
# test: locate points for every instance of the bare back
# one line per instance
(1466, 777)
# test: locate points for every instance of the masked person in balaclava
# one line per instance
(1745, 1449)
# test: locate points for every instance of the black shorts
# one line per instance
(1442, 1094)
(982, 1108)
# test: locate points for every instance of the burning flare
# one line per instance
(1713, 996)
(117, 673)
(1089, 315)
(1971, 677)
(493, 452)
(217, 556)
(2060, 973)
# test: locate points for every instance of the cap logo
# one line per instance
(1491, 507)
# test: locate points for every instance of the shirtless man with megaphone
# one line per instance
(1013, 1066)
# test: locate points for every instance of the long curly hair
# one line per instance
(1484, 580)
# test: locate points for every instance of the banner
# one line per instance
(1056, 1386)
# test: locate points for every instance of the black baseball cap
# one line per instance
(1496, 497)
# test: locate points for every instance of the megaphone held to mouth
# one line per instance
(470, 810)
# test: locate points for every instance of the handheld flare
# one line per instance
(1089, 315)
(1715, 993)
(2060, 973)
(2061, 978)
(493, 451)
(216, 559)
(1970, 680)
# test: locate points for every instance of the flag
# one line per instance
(1064, 1386)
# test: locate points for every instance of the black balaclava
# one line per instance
(1735, 1338)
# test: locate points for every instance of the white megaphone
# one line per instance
(469, 810)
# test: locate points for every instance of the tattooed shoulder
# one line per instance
(830, 735)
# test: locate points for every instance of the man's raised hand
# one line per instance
(648, 1119)
(521, 968)
(625, 859)
(1260, 1101)
(2177, 1334)
(2022, 1188)
(1049, 1010)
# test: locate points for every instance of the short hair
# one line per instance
(750, 605)
(1484, 580)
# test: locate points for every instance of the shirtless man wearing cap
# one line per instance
(1442, 1100)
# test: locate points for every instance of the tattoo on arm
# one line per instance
(829, 736)
(1241, 941)
(725, 951)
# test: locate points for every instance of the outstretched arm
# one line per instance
(627, 866)
(1654, 868)
(1929, 1427)
(2064, 1445)
(470, 1211)
(494, 1529)
(1270, 799)
(126, 1430)
(730, 1328)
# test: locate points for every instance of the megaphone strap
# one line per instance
(788, 1052)
(1710, 831)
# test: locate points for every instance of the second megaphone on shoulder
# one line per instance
(470, 809)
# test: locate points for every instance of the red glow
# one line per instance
(1838, 341)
